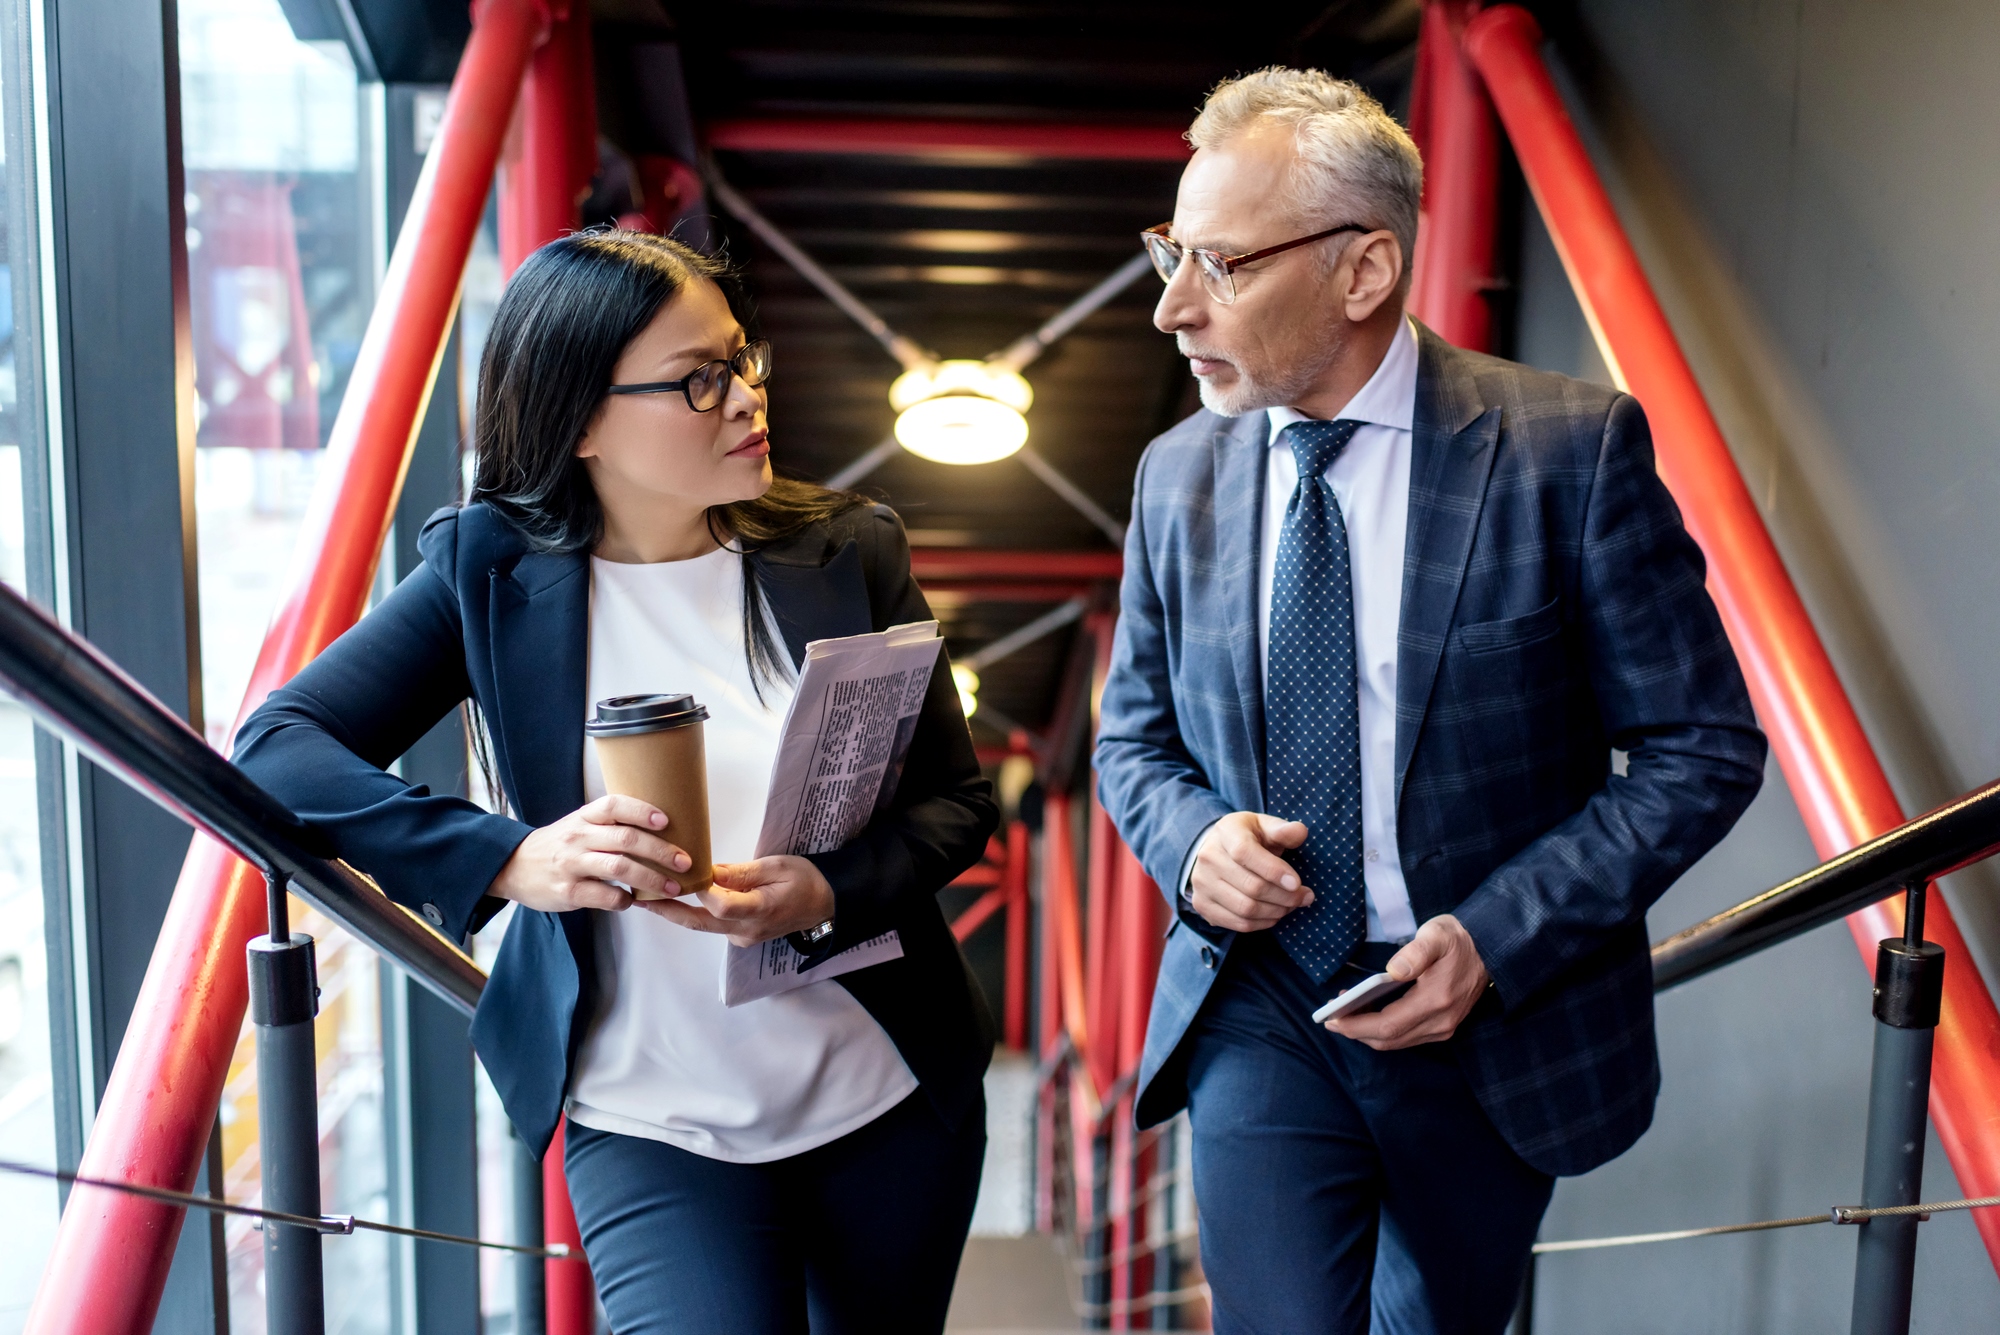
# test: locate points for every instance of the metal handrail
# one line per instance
(78, 692)
(1963, 831)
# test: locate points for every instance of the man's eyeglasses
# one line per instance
(707, 385)
(1218, 271)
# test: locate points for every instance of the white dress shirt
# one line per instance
(665, 1059)
(1371, 481)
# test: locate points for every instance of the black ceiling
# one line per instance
(962, 253)
(966, 254)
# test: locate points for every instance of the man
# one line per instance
(1389, 608)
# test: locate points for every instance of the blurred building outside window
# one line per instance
(282, 266)
(28, 1206)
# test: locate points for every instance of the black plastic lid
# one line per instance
(625, 714)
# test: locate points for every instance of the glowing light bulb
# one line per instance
(961, 412)
(967, 682)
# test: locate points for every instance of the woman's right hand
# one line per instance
(572, 863)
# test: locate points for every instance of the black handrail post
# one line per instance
(531, 1291)
(1909, 990)
(284, 998)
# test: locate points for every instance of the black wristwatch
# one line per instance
(804, 942)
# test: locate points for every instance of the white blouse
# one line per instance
(665, 1059)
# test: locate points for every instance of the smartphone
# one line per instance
(1379, 988)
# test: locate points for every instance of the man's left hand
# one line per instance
(1450, 978)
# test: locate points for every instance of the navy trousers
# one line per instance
(1345, 1190)
(860, 1235)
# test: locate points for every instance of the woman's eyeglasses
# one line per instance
(707, 385)
(1218, 271)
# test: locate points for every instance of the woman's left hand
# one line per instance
(754, 901)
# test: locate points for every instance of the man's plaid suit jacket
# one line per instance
(1553, 610)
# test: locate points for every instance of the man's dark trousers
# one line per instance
(1318, 1160)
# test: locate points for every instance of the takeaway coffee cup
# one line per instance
(650, 747)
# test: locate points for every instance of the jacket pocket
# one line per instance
(1485, 637)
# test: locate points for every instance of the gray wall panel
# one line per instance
(1812, 189)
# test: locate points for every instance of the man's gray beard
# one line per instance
(1251, 395)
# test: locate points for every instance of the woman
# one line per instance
(803, 1161)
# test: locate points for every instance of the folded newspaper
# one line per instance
(839, 759)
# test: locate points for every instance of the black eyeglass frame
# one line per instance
(685, 383)
(1229, 264)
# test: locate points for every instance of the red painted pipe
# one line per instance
(1059, 902)
(111, 1255)
(572, 1297)
(1104, 965)
(1101, 964)
(1136, 912)
(975, 916)
(949, 138)
(940, 591)
(1454, 264)
(1048, 1021)
(973, 563)
(1835, 777)
(549, 164)
(1014, 989)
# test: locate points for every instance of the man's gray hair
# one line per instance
(1353, 158)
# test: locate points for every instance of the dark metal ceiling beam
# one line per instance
(925, 138)
(973, 201)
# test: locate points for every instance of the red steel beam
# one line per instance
(571, 1296)
(1066, 921)
(549, 165)
(991, 591)
(1135, 916)
(1835, 777)
(975, 916)
(973, 563)
(112, 1251)
(1454, 263)
(949, 138)
(1048, 1021)
(1014, 985)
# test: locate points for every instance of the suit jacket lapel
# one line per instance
(540, 619)
(1241, 452)
(814, 596)
(1454, 439)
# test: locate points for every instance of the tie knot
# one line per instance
(1317, 444)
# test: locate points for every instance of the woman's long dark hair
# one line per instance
(566, 317)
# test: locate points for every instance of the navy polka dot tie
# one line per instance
(1312, 725)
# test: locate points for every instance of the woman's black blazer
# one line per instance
(485, 616)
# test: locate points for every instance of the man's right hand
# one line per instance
(572, 863)
(1239, 882)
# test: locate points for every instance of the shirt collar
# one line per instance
(1388, 399)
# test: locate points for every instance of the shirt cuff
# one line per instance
(1186, 878)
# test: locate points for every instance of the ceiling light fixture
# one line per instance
(967, 682)
(962, 411)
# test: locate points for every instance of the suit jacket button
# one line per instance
(1208, 957)
(431, 914)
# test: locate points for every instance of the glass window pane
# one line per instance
(28, 1206)
(281, 277)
